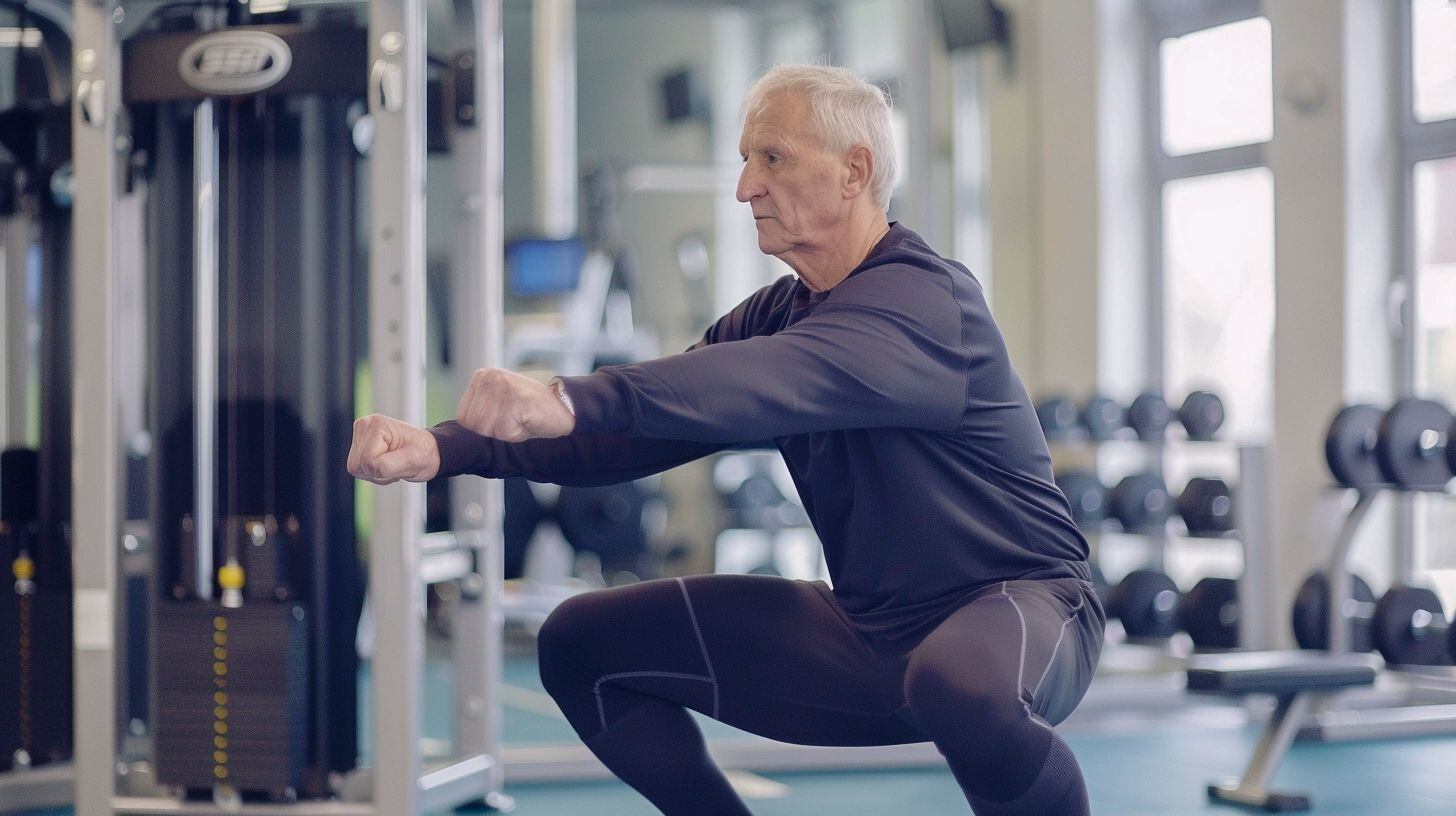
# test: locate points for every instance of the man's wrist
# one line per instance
(558, 387)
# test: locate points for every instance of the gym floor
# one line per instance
(1146, 769)
(1136, 768)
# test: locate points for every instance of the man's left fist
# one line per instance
(511, 407)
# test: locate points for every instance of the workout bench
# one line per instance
(1297, 680)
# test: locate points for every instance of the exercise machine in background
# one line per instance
(35, 466)
(257, 241)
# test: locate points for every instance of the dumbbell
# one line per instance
(1206, 506)
(1350, 446)
(1103, 417)
(1086, 495)
(1058, 417)
(1141, 503)
(1209, 613)
(1311, 616)
(1412, 446)
(1411, 628)
(1146, 601)
(1201, 415)
(1149, 416)
(1408, 446)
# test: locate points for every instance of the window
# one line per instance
(1210, 69)
(1216, 87)
(1218, 269)
(1433, 51)
(1429, 160)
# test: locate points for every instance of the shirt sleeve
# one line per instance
(885, 350)
(581, 459)
(584, 458)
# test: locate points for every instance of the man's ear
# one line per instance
(860, 164)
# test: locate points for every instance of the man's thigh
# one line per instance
(768, 655)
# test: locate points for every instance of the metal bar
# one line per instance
(96, 454)
(556, 763)
(1257, 590)
(1339, 571)
(553, 115)
(162, 805)
(1367, 724)
(396, 354)
(17, 328)
(477, 330)
(48, 786)
(204, 336)
(464, 781)
(1275, 742)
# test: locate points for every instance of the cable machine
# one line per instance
(251, 178)
(35, 465)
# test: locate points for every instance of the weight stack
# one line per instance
(231, 696)
(35, 697)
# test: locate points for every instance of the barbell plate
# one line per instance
(1350, 446)
(1411, 449)
(1311, 614)
(1395, 636)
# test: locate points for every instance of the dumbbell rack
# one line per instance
(1409, 701)
(1172, 528)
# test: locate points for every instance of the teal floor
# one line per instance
(1155, 769)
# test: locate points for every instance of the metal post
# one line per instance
(476, 325)
(1339, 572)
(396, 352)
(204, 336)
(553, 115)
(15, 337)
(96, 447)
(1258, 591)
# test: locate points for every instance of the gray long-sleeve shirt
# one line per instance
(911, 439)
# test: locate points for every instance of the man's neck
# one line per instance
(823, 268)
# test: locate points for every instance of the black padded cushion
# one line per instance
(1278, 672)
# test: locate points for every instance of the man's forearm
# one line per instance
(579, 459)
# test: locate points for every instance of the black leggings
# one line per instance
(781, 659)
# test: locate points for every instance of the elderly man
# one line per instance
(961, 611)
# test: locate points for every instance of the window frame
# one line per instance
(1419, 142)
(1163, 20)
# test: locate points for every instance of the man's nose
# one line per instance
(748, 186)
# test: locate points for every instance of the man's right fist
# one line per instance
(386, 450)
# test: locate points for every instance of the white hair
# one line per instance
(846, 111)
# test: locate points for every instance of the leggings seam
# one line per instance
(1021, 662)
(1071, 615)
(702, 644)
(597, 687)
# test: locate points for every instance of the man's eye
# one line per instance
(773, 158)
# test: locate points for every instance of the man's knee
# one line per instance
(562, 644)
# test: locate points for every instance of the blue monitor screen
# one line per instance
(542, 266)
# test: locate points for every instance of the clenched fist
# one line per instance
(386, 450)
(511, 407)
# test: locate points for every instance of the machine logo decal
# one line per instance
(235, 62)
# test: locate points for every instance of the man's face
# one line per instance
(789, 180)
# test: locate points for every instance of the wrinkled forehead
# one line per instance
(783, 114)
